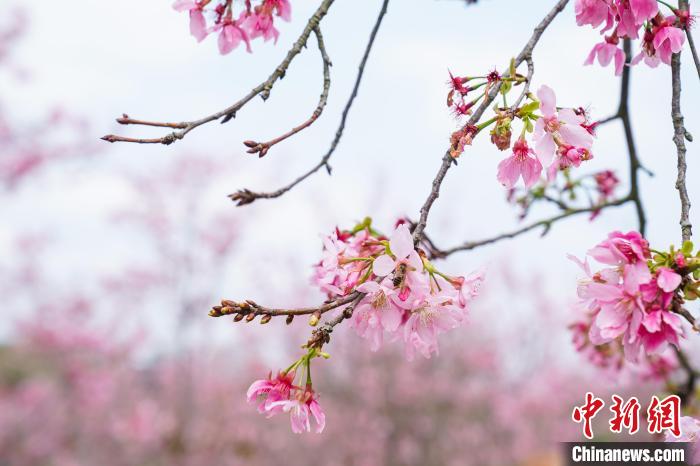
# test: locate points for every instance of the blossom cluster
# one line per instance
(562, 137)
(404, 296)
(280, 394)
(661, 36)
(252, 22)
(635, 302)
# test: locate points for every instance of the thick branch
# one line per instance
(679, 136)
(263, 89)
(246, 196)
(447, 159)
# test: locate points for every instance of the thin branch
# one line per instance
(447, 159)
(263, 89)
(246, 196)
(679, 136)
(262, 148)
(624, 113)
(251, 309)
(322, 335)
(526, 88)
(693, 50)
(546, 224)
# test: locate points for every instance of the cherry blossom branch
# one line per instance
(249, 309)
(528, 80)
(246, 196)
(322, 335)
(546, 224)
(680, 134)
(261, 148)
(624, 114)
(263, 90)
(447, 159)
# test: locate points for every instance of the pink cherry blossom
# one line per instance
(273, 390)
(376, 313)
(606, 182)
(659, 328)
(627, 303)
(231, 35)
(283, 8)
(300, 408)
(593, 12)
(629, 251)
(340, 270)
(260, 25)
(403, 252)
(643, 10)
(558, 127)
(667, 279)
(198, 25)
(605, 52)
(667, 41)
(522, 163)
(430, 316)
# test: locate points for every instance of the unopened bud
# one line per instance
(315, 318)
(263, 152)
(289, 320)
(265, 319)
(227, 302)
(250, 143)
(238, 317)
(250, 317)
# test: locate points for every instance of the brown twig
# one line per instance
(250, 308)
(263, 89)
(246, 196)
(679, 136)
(624, 113)
(546, 224)
(528, 81)
(262, 148)
(447, 159)
(322, 335)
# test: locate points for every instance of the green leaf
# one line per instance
(528, 108)
(687, 248)
(506, 87)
